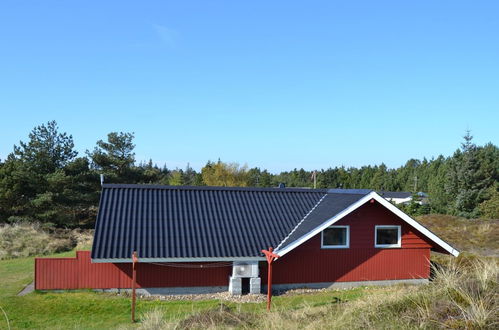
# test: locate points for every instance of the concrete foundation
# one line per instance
(255, 285)
(235, 286)
(343, 285)
(171, 291)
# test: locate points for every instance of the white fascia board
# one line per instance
(326, 224)
(146, 260)
(356, 205)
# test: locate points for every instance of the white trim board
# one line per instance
(146, 260)
(373, 195)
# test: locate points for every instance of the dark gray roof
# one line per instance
(330, 205)
(207, 222)
(395, 194)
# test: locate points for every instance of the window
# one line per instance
(336, 237)
(387, 236)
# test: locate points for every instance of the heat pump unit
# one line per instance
(245, 269)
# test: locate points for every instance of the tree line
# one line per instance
(45, 180)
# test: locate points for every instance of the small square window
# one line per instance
(387, 236)
(336, 237)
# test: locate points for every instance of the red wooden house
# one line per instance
(206, 239)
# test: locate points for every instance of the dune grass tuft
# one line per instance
(462, 295)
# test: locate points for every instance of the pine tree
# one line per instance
(464, 183)
(115, 158)
(36, 182)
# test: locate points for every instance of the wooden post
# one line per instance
(135, 260)
(269, 285)
(270, 258)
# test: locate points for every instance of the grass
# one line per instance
(75, 309)
(473, 236)
(24, 240)
(85, 309)
(464, 295)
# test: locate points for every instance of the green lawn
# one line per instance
(90, 310)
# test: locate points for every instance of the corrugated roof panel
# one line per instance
(332, 204)
(200, 222)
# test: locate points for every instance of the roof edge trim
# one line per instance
(146, 260)
(422, 229)
(373, 195)
(320, 228)
(301, 221)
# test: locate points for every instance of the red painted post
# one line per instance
(36, 282)
(269, 284)
(270, 258)
(135, 260)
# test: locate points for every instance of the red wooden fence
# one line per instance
(81, 273)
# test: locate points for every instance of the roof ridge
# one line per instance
(349, 191)
(299, 223)
(165, 187)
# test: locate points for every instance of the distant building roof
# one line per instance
(395, 194)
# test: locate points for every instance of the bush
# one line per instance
(24, 240)
(490, 207)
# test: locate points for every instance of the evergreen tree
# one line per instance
(47, 150)
(34, 184)
(489, 208)
(190, 177)
(115, 158)
(438, 197)
(44, 180)
(379, 179)
(465, 181)
(150, 173)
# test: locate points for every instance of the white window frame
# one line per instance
(399, 239)
(336, 246)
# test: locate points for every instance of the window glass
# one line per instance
(387, 236)
(335, 236)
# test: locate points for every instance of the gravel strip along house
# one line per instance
(209, 239)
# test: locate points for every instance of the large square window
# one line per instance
(387, 236)
(336, 237)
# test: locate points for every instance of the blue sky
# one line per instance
(274, 84)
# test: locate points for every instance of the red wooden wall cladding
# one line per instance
(80, 273)
(308, 263)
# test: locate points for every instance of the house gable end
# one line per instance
(434, 240)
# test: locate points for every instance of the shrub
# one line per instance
(490, 208)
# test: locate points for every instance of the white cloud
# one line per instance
(168, 36)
